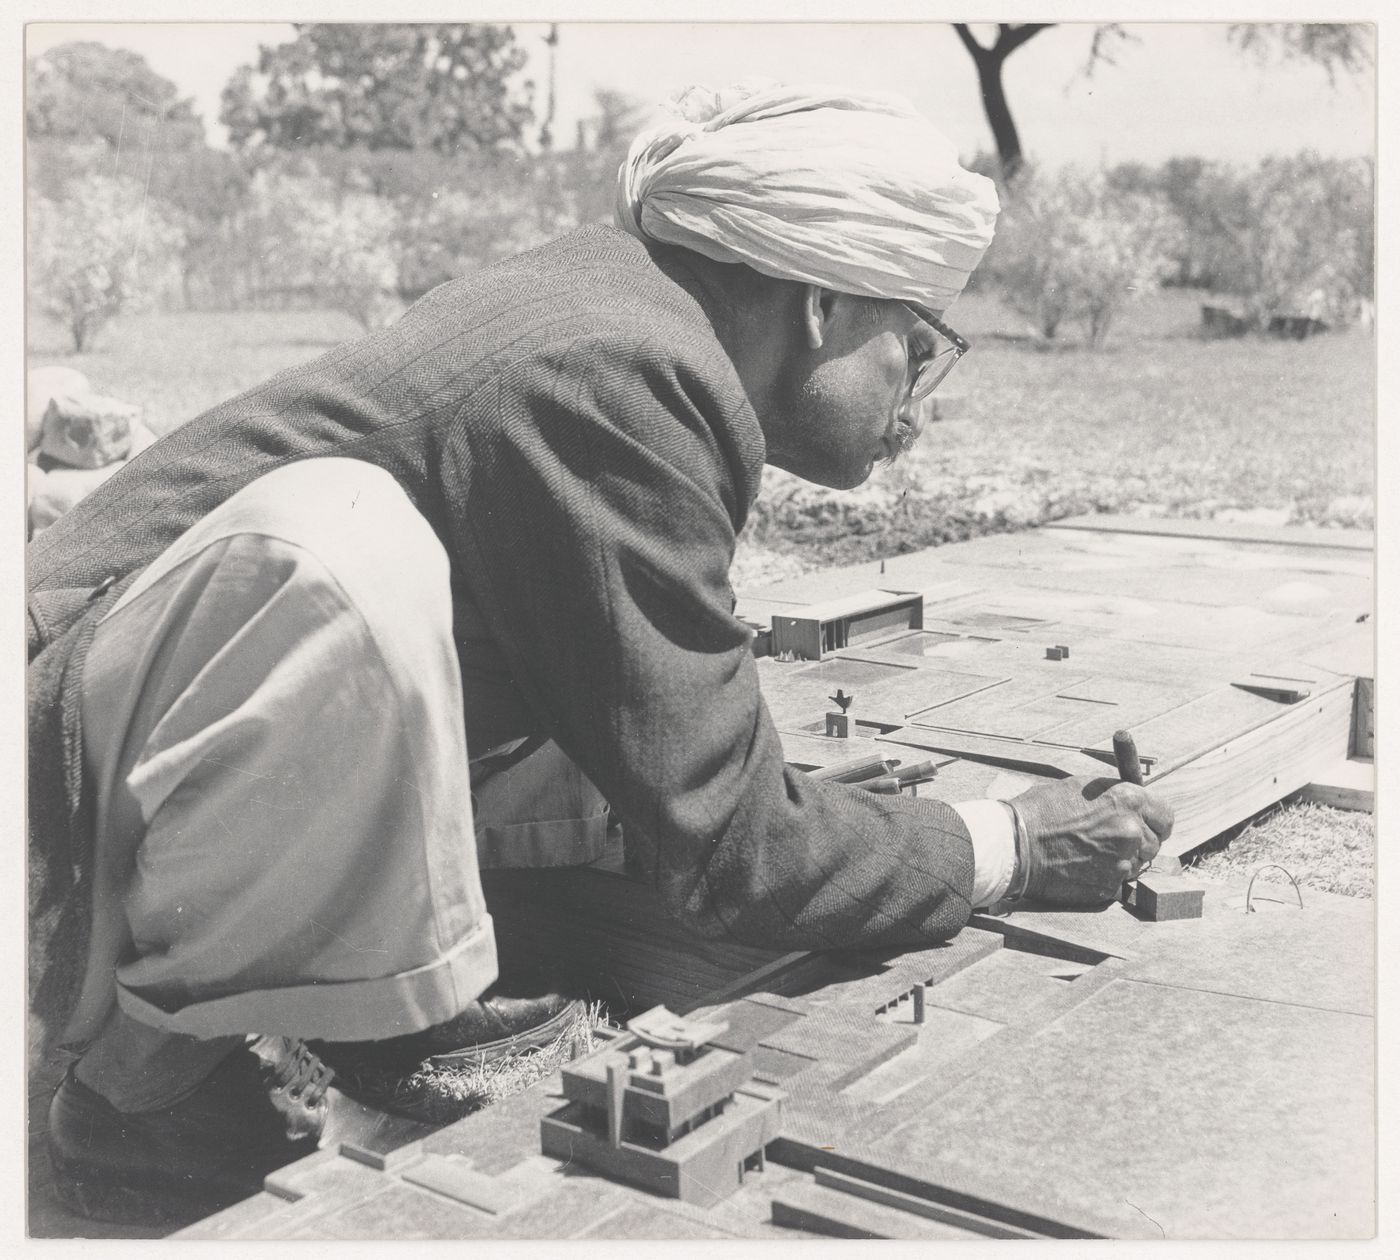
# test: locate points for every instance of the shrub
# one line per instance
(496, 212)
(1071, 247)
(349, 247)
(1292, 236)
(100, 249)
(1301, 237)
(340, 227)
(297, 237)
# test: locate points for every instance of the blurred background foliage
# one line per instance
(368, 163)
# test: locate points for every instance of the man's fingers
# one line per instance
(1158, 815)
(1148, 842)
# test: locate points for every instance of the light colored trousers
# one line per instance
(273, 723)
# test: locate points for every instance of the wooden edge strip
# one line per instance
(1220, 531)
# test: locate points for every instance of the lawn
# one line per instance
(175, 366)
(1160, 422)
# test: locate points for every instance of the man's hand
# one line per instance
(1087, 835)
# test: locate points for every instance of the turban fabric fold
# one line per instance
(853, 191)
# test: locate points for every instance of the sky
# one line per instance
(1177, 88)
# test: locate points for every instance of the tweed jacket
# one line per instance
(575, 435)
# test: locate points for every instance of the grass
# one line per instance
(1166, 422)
(1327, 849)
(176, 365)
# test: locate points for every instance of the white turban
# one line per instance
(854, 191)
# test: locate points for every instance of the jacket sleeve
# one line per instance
(604, 493)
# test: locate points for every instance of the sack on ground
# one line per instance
(88, 430)
(41, 386)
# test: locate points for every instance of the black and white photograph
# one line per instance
(685, 625)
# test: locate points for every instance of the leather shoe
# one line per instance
(254, 1113)
(495, 1025)
(425, 1076)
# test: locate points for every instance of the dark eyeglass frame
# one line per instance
(932, 371)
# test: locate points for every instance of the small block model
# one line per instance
(661, 1108)
(662, 1030)
(846, 622)
(1160, 896)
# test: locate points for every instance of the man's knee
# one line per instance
(359, 525)
(348, 512)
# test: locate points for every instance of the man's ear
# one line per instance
(818, 314)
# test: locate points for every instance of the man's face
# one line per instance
(844, 403)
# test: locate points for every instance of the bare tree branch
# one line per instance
(1012, 37)
(989, 62)
(969, 40)
(1107, 38)
(1347, 47)
(1344, 46)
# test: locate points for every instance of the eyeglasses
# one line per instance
(948, 348)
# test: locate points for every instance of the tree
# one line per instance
(348, 248)
(1335, 46)
(1130, 241)
(104, 248)
(989, 60)
(547, 125)
(200, 186)
(383, 86)
(83, 91)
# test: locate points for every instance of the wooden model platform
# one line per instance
(1233, 660)
(1043, 1074)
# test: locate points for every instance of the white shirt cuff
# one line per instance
(993, 849)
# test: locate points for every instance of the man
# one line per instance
(268, 650)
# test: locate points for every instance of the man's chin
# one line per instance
(847, 479)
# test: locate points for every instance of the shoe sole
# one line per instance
(531, 1039)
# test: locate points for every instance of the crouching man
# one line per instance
(266, 654)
